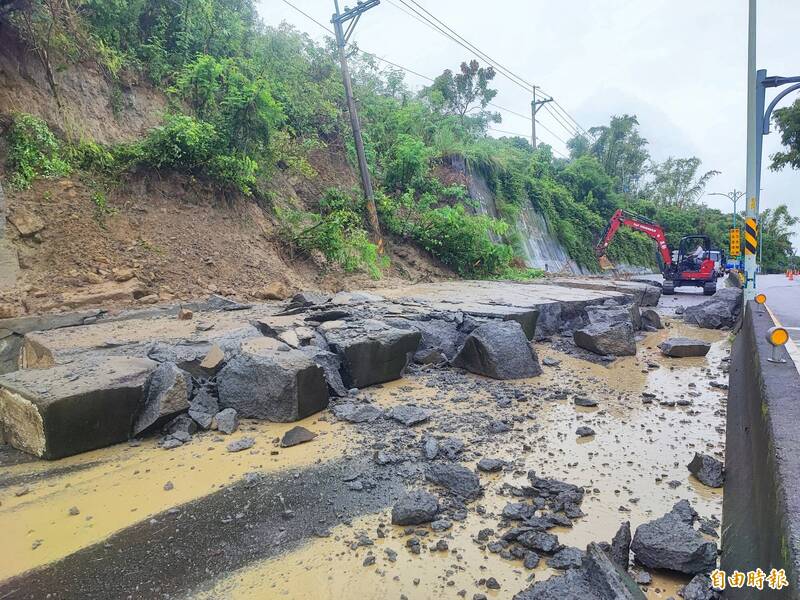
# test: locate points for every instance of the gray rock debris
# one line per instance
(414, 508)
(241, 444)
(357, 413)
(721, 310)
(267, 380)
(598, 578)
(699, 588)
(607, 338)
(650, 318)
(227, 421)
(707, 469)
(168, 391)
(297, 435)
(566, 558)
(499, 349)
(621, 546)
(490, 465)
(671, 542)
(371, 351)
(408, 414)
(203, 407)
(457, 479)
(682, 347)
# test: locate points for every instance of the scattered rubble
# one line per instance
(457, 479)
(415, 508)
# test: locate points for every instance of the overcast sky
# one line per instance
(679, 65)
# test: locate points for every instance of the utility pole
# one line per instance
(535, 106)
(352, 15)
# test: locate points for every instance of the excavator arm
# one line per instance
(636, 223)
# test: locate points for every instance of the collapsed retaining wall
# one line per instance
(761, 508)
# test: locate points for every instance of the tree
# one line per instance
(619, 148)
(788, 121)
(776, 238)
(675, 182)
(464, 93)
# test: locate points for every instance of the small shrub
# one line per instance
(90, 156)
(183, 143)
(33, 151)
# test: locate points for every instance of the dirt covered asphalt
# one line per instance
(314, 520)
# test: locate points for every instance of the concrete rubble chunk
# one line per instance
(297, 435)
(615, 313)
(408, 414)
(241, 444)
(414, 508)
(500, 350)
(682, 347)
(621, 546)
(217, 302)
(202, 408)
(226, 421)
(539, 541)
(671, 542)
(651, 318)
(304, 299)
(357, 413)
(708, 470)
(490, 465)
(721, 310)
(371, 351)
(607, 338)
(457, 479)
(566, 558)
(168, 391)
(699, 588)
(269, 381)
(68, 409)
(331, 364)
(598, 578)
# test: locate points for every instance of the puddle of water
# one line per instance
(636, 451)
(127, 486)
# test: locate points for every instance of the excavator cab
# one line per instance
(692, 265)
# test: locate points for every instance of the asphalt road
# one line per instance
(783, 299)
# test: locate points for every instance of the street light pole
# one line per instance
(734, 197)
(753, 136)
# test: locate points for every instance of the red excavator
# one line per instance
(690, 265)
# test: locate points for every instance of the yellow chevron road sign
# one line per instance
(750, 236)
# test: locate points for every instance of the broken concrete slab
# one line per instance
(671, 542)
(708, 470)
(68, 409)
(371, 351)
(268, 380)
(168, 392)
(682, 347)
(408, 414)
(499, 350)
(357, 413)
(607, 338)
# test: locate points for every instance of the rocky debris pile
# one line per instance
(222, 360)
(681, 347)
(707, 469)
(456, 479)
(700, 588)
(651, 320)
(671, 542)
(719, 311)
(596, 577)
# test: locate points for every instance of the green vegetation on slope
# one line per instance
(246, 99)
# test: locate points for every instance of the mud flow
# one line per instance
(652, 414)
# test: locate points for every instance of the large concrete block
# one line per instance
(268, 380)
(371, 351)
(167, 394)
(64, 410)
(607, 337)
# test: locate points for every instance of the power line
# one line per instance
(508, 73)
(443, 29)
(508, 110)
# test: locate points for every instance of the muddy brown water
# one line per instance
(625, 468)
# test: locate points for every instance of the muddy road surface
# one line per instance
(314, 520)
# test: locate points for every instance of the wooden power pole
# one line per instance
(351, 16)
(535, 106)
